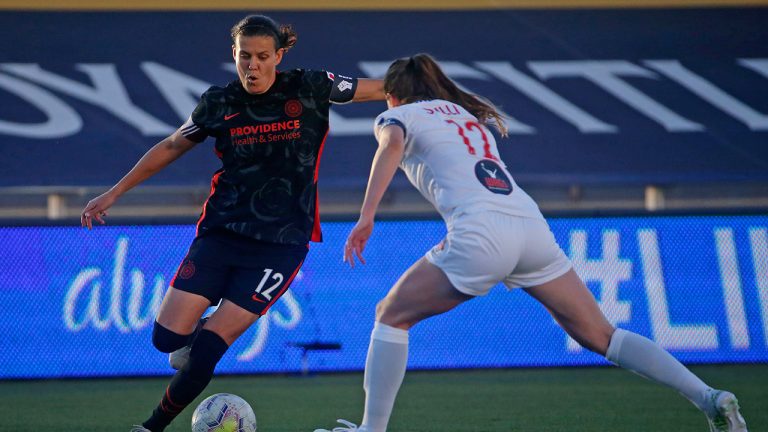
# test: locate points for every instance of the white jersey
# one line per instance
(453, 161)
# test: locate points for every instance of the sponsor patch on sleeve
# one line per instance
(343, 89)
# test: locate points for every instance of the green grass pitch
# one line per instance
(567, 399)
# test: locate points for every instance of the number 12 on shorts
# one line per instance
(267, 280)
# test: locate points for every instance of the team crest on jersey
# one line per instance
(492, 177)
(293, 108)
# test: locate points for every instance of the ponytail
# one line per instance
(287, 36)
(419, 77)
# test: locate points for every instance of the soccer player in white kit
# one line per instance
(437, 134)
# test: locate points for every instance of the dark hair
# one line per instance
(262, 25)
(419, 77)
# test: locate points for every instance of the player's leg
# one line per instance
(477, 253)
(421, 292)
(229, 267)
(575, 309)
(223, 327)
(177, 318)
(197, 284)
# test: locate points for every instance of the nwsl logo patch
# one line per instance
(492, 177)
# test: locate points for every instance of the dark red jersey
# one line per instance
(270, 146)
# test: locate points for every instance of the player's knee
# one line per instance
(387, 313)
(166, 340)
(382, 307)
(402, 318)
(206, 352)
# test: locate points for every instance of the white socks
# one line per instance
(647, 359)
(384, 372)
(388, 356)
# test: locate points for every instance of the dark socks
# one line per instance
(190, 381)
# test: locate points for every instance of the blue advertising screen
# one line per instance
(81, 303)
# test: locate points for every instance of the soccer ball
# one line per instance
(223, 412)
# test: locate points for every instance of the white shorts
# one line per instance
(483, 249)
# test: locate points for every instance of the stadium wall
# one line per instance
(646, 96)
(80, 303)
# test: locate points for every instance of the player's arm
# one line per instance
(369, 90)
(388, 156)
(385, 162)
(345, 89)
(154, 160)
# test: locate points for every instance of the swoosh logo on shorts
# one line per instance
(255, 298)
(230, 116)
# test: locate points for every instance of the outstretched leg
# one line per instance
(575, 309)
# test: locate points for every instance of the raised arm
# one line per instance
(154, 160)
(385, 162)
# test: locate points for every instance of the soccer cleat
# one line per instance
(180, 357)
(726, 417)
(348, 427)
(139, 428)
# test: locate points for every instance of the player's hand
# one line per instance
(356, 241)
(96, 209)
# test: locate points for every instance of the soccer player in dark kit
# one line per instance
(254, 230)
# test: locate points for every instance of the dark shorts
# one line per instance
(248, 272)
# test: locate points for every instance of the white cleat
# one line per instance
(180, 357)
(139, 428)
(727, 417)
(348, 427)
